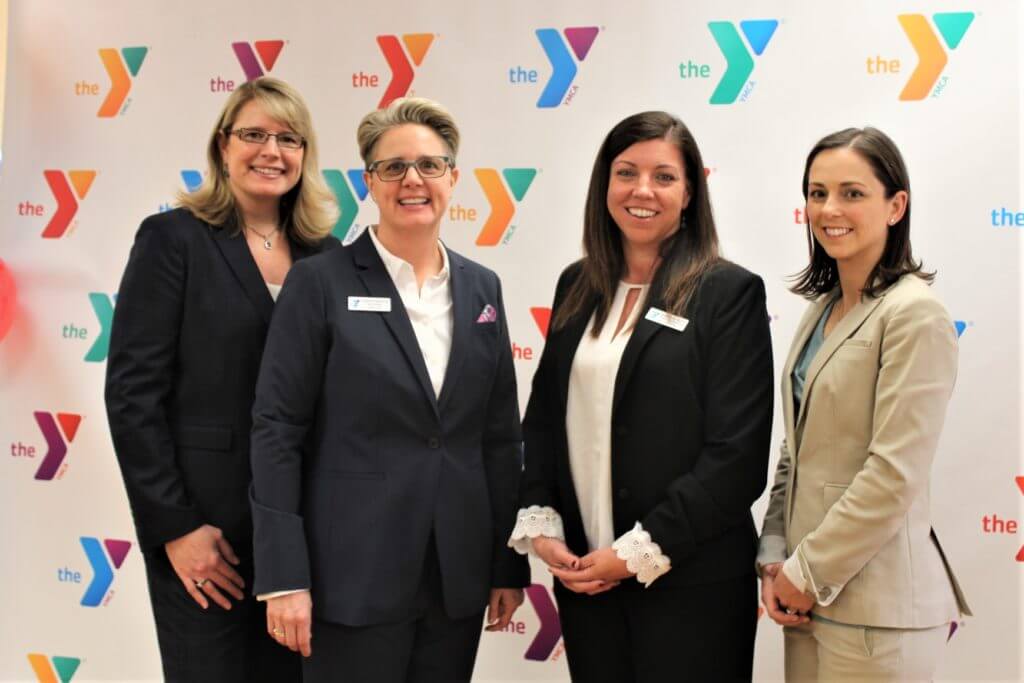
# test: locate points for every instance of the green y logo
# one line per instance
(104, 307)
(347, 198)
(739, 63)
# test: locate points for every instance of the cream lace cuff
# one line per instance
(532, 522)
(642, 555)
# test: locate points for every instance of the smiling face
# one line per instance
(414, 202)
(647, 192)
(847, 208)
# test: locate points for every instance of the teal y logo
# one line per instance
(348, 194)
(103, 305)
(739, 63)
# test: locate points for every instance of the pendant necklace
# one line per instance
(267, 244)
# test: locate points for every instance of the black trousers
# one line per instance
(694, 633)
(427, 646)
(215, 645)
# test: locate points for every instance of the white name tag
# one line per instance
(371, 304)
(677, 323)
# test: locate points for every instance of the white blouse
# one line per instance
(588, 424)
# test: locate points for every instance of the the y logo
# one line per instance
(348, 194)
(550, 627)
(120, 82)
(8, 300)
(268, 51)
(192, 179)
(1020, 485)
(61, 670)
(67, 205)
(739, 63)
(56, 445)
(502, 208)
(563, 68)
(541, 316)
(401, 70)
(102, 573)
(930, 55)
(961, 327)
(104, 307)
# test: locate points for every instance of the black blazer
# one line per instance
(356, 464)
(692, 415)
(185, 348)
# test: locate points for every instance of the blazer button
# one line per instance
(623, 494)
(433, 442)
(825, 592)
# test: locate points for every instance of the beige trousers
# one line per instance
(829, 651)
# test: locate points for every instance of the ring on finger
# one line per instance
(278, 633)
(200, 583)
(790, 610)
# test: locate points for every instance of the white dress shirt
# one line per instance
(432, 317)
(429, 308)
(588, 424)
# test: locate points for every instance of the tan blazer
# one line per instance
(851, 492)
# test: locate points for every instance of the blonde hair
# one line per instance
(308, 210)
(404, 110)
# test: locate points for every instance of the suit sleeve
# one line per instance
(915, 381)
(772, 546)
(542, 425)
(731, 470)
(503, 462)
(284, 410)
(139, 382)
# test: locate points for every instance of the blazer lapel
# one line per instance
(378, 283)
(236, 253)
(462, 327)
(845, 328)
(803, 333)
(642, 334)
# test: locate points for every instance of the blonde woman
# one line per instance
(386, 439)
(185, 348)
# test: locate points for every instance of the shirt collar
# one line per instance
(394, 265)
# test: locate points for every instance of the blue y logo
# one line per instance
(580, 39)
(346, 197)
(739, 62)
(102, 574)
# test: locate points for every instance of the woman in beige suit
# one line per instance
(850, 564)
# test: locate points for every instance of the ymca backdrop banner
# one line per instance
(109, 106)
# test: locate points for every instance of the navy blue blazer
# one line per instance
(356, 463)
(185, 348)
(691, 424)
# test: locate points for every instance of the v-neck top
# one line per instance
(588, 417)
(806, 357)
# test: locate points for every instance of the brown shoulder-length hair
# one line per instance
(685, 256)
(308, 211)
(822, 275)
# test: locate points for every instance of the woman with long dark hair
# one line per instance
(847, 538)
(647, 430)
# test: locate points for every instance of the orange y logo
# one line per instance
(120, 83)
(930, 55)
(502, 207)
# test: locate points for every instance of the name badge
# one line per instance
(370, 304)
(677, 323)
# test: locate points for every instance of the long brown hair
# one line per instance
(685, 256)
(822, 275)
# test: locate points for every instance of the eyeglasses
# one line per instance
(256, 136)
(390, 170)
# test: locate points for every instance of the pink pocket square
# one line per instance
(488, 315)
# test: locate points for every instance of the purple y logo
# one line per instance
(550, 627)
(56, 446)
